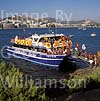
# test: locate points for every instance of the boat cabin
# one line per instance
(50, 43)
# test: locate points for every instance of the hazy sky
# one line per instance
(79, 9)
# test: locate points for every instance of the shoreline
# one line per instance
(48, 28)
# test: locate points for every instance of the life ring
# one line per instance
(22, 42)
(48, 45)
(30, 42)
(17, 41)
(56, 44)
(27, 43)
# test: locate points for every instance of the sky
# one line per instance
(76, 9)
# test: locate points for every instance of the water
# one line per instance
(80, 36)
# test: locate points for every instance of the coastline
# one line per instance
(50, 27)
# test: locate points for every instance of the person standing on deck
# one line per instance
(77, 50)
(98, 58)
(91, 60)
(85, 56)
(70, 42)
(95, 61)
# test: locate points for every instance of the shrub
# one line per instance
(13, 86)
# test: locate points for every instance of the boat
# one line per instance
(45, 49)
(84, 28)
(70, 35)
(93, 34)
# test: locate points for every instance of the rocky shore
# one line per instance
(87, 94)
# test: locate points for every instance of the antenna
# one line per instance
(24, 30)
(49, 29)
(56, 30)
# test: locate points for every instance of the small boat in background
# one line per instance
(84, 28)
(93, 34)
(70, 35)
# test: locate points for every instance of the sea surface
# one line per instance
(80, 36)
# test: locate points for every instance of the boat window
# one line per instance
(40, 39)
(24, 47)
(41, 50)
(35, 39)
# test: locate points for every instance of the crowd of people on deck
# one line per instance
(55, 45)
(61, 46)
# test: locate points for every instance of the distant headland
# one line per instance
(19, 21)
